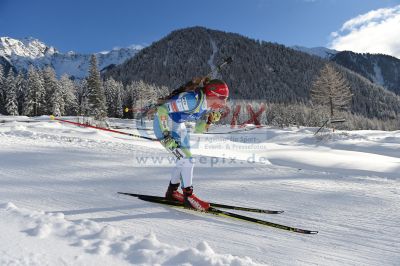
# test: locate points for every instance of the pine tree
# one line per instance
(162, 91)
(113, 91)
(53, 96)
(35, 94)
(83, 98)
(20, 84)
(129, 99)
(11, 95)
(69, 95)
(57, 102)
(143, 95)
(331, 89)
(2, 92)
(109, 87)
(1, 75)
(97, 101)
(119, 100)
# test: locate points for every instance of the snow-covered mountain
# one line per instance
(317, 51)
(378, 68)
(21, 54)
(278, 73)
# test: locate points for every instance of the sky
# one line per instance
(88, 26)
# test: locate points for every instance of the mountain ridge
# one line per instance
(380, 69)
(261, 70)
(21, 54)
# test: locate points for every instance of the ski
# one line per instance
(218, 212)
(215, 205)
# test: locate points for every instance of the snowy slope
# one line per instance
(27, 47)
(59, 203)
(317, 51)
(378, 68)
(29, 51)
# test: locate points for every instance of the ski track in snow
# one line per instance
(211, 59)
(59, 205)
(378, 78)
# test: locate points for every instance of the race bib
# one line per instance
(179, 105)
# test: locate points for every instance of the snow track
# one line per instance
(59, 205)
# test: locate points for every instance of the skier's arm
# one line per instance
(167, 141)
(162, 116)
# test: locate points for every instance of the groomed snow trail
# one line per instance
(58, 200)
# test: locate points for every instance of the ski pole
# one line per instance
(226, 61)
(52, 117)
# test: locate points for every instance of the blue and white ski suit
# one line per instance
(170, 116)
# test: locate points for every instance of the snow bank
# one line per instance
(104, 240)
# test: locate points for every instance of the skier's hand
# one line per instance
(214, 117)
(201, 126)
(169, 142)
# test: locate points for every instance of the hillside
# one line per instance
(380, 69)
(261, 70)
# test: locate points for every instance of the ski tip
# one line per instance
(270, 212)
(303, 231)
(129, 194)
(309, 232)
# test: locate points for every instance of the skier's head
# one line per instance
(217, 93)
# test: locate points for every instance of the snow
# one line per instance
(100, 244)
(316, 51)
(29, 51)
(210, 61)
(28, 47)
(59, 204)
(378, 78)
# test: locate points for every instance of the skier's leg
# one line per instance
(187, 165)
(176, 173)
(184, 166)
(181, 174)
(172, 191)
(190, 200)
(186, 170)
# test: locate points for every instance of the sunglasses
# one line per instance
(219, 96)
(222, 98)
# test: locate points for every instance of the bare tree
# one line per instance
(331, 89)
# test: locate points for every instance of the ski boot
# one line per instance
(193, 202)
(173, 193)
